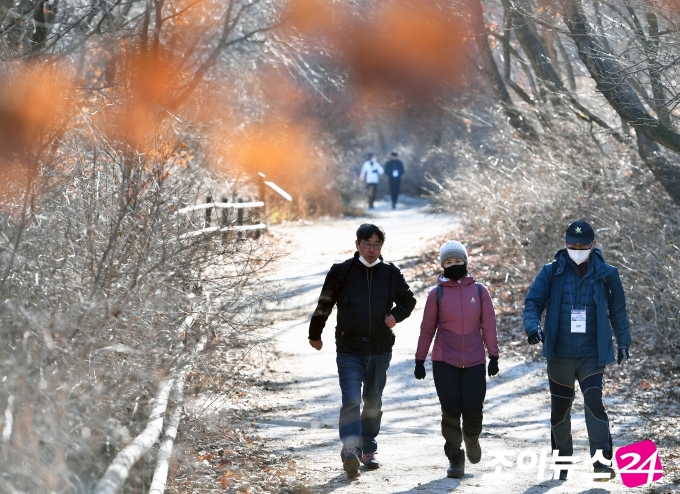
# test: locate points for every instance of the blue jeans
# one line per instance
(358, 429)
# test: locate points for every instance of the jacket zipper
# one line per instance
(370, 313)
(462, 313)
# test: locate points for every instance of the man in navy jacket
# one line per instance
(585, 303)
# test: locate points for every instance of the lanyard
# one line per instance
(571, 299)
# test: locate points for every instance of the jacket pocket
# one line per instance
(389, 334)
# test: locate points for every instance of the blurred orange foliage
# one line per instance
(416, 51)
(316, 17)
(276, 148)
(414, 48)
(144, 89)
(34, 103)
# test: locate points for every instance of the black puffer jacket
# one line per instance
(366, 296)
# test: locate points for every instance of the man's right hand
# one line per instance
(535, 337)
(318, 344)
(420, 369)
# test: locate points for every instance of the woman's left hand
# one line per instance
(493, 366)
(390, 321)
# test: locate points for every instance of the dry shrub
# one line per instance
(517, 200)
(100, 295)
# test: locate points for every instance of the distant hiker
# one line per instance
(585, 301)
(394, 169)
(372, 297)
(461, 313)
(370, 173)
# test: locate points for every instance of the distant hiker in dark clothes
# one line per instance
(370, 173)
(372, 297)
(461, 313)
(394, 169)
(585, 302)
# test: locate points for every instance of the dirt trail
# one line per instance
(305, 395)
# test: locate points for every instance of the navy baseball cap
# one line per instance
(579, 232)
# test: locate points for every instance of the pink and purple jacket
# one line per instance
(460, 338)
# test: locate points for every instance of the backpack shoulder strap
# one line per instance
(553, 265)
(605, 284)
(479, 291)
(341, 276)
(439, 296)
(394, 273)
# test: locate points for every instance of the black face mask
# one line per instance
(455, 272)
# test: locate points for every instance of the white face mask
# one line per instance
(368, 264)
(579, 256)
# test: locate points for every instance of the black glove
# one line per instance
(535, 337)
(622, 354)
(420, 369)
(493, 365)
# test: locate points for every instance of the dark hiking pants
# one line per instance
(461, 392)
(562, 373)
(395, 183)
(371, 189)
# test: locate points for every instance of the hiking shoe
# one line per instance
(472, 448)
(602, 468)
(456, 468)
(370, 461)
(350, 462)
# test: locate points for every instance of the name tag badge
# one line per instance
(578, 321)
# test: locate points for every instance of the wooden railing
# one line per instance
(226, 207)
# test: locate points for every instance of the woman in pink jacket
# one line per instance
(461, 314)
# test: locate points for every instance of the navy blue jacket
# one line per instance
(610, 306)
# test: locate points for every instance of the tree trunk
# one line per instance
(665, 172)
(40, 34)
(531, 42)
(490, 70)
(532, 45)
(660, 105)
(611, 82)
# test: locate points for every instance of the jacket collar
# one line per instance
(357, 258)
(466, 280)
(600, 267)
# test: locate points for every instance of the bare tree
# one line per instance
(105, 131)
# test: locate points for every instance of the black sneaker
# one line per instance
(602, 468)
(350, 462)
(456, 468)
(370, 461)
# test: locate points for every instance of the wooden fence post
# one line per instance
(225, 213)
(261, 190)
(208, 212)
(239, 218)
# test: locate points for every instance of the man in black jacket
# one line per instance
(394, 169)
(372, 297)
